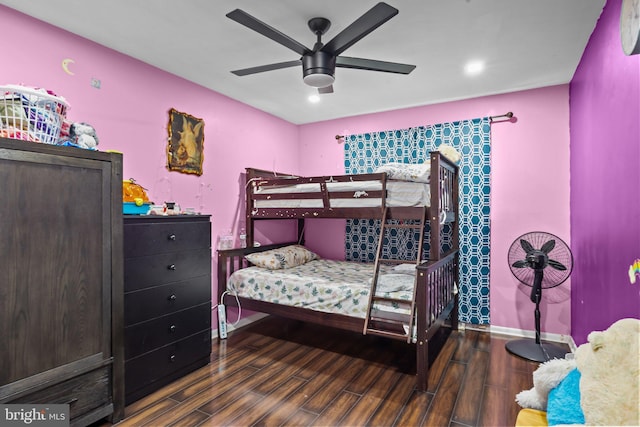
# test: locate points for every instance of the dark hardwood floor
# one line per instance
(281, 372)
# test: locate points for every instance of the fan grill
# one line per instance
(560, 253)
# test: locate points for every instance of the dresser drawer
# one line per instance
(165, 236)
(149, 303)
(152, 270)
(146, 336)
(150, 367)
(82, 393)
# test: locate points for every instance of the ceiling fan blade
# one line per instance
(548, 246)
(376, 16)
(520, 264)
(557, 265)
(526, 246)
(373, 65)
(249, 21)
(327, 89)
(269, 67)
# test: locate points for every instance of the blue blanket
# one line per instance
(563, 406)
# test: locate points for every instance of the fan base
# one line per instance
(533, 351)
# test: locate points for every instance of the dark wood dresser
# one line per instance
(61, 310)
(167, 299)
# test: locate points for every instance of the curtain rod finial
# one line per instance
(508, 116)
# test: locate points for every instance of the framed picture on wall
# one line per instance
(185, 149)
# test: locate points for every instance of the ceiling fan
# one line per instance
(320, 62)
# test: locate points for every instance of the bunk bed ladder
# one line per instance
(393, 325)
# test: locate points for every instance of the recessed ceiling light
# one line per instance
(474, 67)
(314, 98)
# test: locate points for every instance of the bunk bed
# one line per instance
(423, 314)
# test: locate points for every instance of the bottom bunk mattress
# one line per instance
(339, 287)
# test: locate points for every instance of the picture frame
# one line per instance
(185, 148)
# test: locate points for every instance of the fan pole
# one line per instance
(538, 352)
(536, 296)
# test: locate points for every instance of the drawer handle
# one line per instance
(172, 267)
(172, 237)
(172, 328)
(172, 297)
(172, 358)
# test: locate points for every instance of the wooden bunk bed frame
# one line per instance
(436, 296)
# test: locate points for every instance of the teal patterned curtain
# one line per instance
(364, 153)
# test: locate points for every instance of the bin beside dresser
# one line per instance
(167, 299)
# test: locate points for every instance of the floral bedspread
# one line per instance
(324, 285)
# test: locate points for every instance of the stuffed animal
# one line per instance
(610, 368)
(605, 388)
(83, 135)
(450, 152)
(545, 378)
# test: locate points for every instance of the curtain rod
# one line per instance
(507, 115)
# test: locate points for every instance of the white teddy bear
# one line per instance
(609, 365)
(84, 135)
(545, 378)
(609, 381)
(450, 152)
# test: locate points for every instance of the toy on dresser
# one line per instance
(135, 200)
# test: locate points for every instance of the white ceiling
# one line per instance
(524, 43)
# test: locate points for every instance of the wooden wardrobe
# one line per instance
(61, 283)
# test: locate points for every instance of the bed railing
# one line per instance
(444, 200)
(437, 293)
(260, 185)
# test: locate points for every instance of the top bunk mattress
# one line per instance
(399, 194)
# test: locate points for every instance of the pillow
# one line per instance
(285, 257)
(393, 282)
(405, 269)
(406, 171)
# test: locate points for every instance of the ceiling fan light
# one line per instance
(319, 79)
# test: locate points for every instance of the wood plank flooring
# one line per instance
(280, 372)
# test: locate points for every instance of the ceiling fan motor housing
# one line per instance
(318, 69)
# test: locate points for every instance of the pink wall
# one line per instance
(130, 114)
(530, 158)
(530, 185)
(605, 179)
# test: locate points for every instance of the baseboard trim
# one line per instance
(560, 338)
(245, 321)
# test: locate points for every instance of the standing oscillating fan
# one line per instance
(540, 260)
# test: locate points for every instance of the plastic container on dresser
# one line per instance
(167, 299)
(61, 288)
